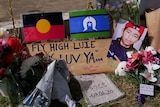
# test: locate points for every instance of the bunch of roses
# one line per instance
(10, 49)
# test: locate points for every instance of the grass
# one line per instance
(125, 84)
(4, 102)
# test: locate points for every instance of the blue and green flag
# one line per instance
(89, 24)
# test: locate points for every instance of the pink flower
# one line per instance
(3, 44)
(133, 61)
(128, 1)
(130, 65)
(147, 57)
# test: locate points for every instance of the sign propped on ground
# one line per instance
(81, 56)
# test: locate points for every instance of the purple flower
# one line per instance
(140, 98)
(157, 60)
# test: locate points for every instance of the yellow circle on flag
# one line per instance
(43, 26)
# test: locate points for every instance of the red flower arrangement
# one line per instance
(144, 67)
(18, 68)
(10, 49)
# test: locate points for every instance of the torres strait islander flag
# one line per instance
(89, 24)
(43, 26)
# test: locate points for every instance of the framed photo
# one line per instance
(127, 37)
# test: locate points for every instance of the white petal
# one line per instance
(149, 67)
(150, 48)
(129, 53)
(142, 74)
(155, 66)
(153, 79)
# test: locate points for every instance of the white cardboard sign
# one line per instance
(147, 89)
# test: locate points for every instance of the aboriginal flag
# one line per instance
(42, 26)
(89, 24)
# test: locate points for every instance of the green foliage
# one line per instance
(4, 101)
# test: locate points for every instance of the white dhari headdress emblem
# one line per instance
(88, 22)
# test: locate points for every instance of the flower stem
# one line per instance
(12, 17)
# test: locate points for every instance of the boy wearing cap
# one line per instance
(119, 47)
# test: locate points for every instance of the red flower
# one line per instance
(147, 57)
(133, 61)
(2, 71)
(7, 59)
(16, 46)
(131, 64)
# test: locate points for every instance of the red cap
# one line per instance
(140, 29)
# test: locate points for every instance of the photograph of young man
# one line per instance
(120, 46)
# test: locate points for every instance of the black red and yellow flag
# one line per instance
(43, 26)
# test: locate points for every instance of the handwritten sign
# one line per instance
(81, 56)
(147, 89)
(98, 88)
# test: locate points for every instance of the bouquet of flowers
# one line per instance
(32, 80)
(10, 51)
(143, 66)
(18, 68)
(125, 9)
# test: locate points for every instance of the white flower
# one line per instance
(128, 1)
(149, 76)
(155, 66)
(129, 54)
(134, 6)
(151, 67)
(149, 73)
(150, 48)
(120, 70)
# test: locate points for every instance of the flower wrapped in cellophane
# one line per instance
(144, 67)
(18, 68)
